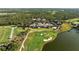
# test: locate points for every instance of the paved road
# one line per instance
(11, 34)
(22, 46)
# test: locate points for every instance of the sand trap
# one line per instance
(48, 39)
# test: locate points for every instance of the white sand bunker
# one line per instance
(48, 39)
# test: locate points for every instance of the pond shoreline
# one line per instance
(65, 41)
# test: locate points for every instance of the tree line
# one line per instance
(26, 18)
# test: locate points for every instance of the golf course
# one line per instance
(37, 38)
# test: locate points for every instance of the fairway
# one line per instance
(37, 39)
(73, 20)
(4, 33)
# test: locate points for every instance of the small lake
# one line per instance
(66, 41)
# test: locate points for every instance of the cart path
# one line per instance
(12, 31)
(22, 45)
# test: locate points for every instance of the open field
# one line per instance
(37, 38)
(4, 33)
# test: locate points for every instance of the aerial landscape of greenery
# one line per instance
(32, 29)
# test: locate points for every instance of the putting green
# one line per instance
(35, 40)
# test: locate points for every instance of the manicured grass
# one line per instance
(4, 33)
(73, 20)
(35, 40)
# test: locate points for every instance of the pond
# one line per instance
(66, 41)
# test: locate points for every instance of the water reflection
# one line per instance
(66, 41)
